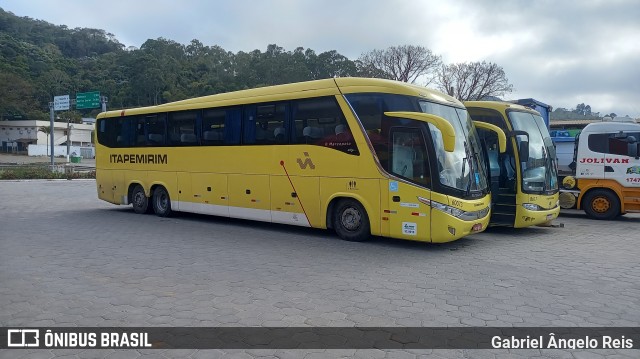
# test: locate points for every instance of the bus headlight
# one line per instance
(456, 212)
(532, 207)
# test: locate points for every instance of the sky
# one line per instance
(560, 52)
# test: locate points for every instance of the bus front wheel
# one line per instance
(601, 204)
(139, 200)
(350, 221)
(161, 202)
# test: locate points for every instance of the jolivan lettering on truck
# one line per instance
(604, 160)
(145, 159)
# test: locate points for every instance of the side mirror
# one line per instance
(633, 149)
(447, 130)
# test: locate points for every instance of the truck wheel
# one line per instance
(161, 202)
(350, 221)
(139, 200)
(601, 204)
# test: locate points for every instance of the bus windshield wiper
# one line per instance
(547, 176)
(468, 157)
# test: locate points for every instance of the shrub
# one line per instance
(40, 172)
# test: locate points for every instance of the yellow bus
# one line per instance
(361, 156)
(524, 179)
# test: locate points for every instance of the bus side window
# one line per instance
(155, 126)
(182, 128)
(139, 137)
(265, 124)
(122, 131)
(221, 126)
(232, 125)
(409, 157)
(213, 127)
(319, 121)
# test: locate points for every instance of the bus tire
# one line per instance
(161, 202)
(601, 204)
(350, 221)
(139, 200)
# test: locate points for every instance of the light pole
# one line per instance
(68, 139)
(51, 130)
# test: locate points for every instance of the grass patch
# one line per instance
(40, 172)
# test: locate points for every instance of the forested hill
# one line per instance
(39, 60)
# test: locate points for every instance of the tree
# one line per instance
(404, 63)
(47, 131)
(473, 80)
(583, 109)
(16, 95)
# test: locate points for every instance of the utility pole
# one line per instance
(68, 140)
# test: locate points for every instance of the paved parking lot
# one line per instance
(68, 259)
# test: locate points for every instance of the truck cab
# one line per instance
(605, 182)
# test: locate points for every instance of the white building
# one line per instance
(16, 136)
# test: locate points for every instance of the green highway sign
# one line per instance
(86, 100)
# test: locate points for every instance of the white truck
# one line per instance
(605, 181)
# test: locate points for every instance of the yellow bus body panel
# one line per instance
(526, 218)
(443, 224)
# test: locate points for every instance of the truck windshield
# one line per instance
(539, 172)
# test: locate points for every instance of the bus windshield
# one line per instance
(464, 168)
(461, 173)
(539, 173)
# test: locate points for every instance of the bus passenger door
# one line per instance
(408, 217)
(502, 168)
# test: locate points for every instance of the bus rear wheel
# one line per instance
(139, 200)
(601, 204)
(350, 221)
(161, 202)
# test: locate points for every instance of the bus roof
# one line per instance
(500, 106)
(305, 89)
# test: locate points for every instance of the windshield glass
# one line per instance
(464, 168)
(414, 150)
(539, 173)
